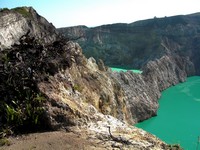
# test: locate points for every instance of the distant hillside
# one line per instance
(133, 45)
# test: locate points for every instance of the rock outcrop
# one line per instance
(17, 22)
(142, 91)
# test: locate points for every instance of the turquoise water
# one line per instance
(178, 119)
(119, 69)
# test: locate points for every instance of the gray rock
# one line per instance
(142, 91)
(17, 22)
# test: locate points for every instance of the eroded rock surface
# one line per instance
(17, 22)
(142, 91)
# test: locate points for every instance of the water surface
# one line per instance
(120, 69)
(178, 119)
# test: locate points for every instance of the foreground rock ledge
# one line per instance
(94, 136)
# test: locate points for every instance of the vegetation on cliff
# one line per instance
(21, 101)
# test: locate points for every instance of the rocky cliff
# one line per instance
(134, 45)
(142, 91)
(46, 83)
(165, 49)
(17, 22)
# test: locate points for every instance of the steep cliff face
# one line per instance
(142, 91)
(134, 45)
(17, 22)
(84, 89)
(140, 98)
(75, 32)
(165, 49)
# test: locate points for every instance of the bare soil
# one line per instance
(52, 141)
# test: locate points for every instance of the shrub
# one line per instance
(3, 9)
(78, 88)
(23, 11)
(4, 141)
(21, 102)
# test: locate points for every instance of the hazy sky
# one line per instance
(63, 13)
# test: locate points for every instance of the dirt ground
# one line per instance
(52, 141)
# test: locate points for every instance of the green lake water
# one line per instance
(178, 119)
(120, 69)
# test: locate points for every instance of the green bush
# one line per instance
(23, 11)
(29, 110)
(22, 114)
(3, 9)
(78, 88)
(21, 103)
(4, 141)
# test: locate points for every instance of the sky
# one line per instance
(65, 13)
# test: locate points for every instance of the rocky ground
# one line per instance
(109, 134)
(51, 141)
(62, 140)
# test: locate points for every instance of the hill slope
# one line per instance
(134, 45)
